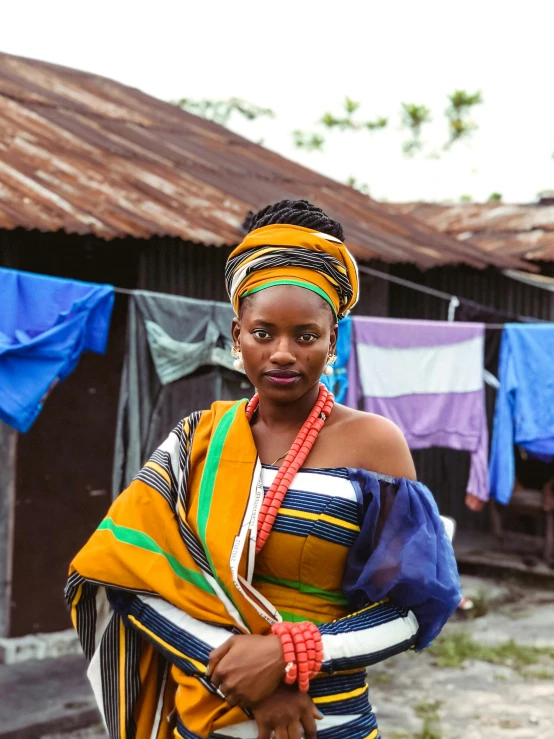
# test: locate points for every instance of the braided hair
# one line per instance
(295, 213)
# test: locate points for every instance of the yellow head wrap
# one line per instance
(283, 254)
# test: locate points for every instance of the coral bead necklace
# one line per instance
(293, 461)
(301, 642)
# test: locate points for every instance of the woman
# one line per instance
(268, 552)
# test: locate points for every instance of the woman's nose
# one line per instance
(283, 353)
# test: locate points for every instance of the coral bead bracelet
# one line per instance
(302, 650)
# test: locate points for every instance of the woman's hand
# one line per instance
(247, 668)
(288, 713)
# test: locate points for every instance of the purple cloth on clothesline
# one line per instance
(414, 412)
(427, 377)
(399, 333)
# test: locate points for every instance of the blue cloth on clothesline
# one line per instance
(337, 383)
(45, 325)
(524, 412)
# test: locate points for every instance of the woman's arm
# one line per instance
(380, 630)
(256, 665)
(401, 535)
(185, 641)
(369, 636)
(403, 554)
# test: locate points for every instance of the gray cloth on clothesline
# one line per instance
(177, 360)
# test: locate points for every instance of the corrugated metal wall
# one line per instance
(488, 287)
(180, 268)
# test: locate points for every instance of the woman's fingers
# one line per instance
(281, 732)
(230, 698)
(309, 724)
(264, 731)
(295, 731)
(216, 679)
(228, 694)
(217, 655)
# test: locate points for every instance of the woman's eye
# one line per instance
(308, 337)
(261, 334)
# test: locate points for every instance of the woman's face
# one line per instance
(285, 334)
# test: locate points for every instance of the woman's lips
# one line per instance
(282, 377)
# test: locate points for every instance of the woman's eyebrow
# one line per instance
(296, 327)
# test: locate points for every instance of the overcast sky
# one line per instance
(301, 58)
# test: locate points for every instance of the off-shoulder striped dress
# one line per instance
(300, 571)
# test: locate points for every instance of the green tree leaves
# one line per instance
(413, 118)
(457, 113)
(221, 111)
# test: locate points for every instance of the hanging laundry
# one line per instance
(493, 337)
(337, 383)
(427, 377)
(524, 413)
(45, 325)
(178, 359)
(467, 313)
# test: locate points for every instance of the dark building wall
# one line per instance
(181, 268)
(76, 257)
(488, 287)
(374, 293)
(63, 483)
(64, 463)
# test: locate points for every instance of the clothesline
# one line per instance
(444, 296)
(397, 280)
(173, 296)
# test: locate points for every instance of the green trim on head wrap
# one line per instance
(297, 283)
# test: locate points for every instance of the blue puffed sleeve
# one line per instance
(402, 552)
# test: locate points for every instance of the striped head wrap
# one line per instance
(283, 254)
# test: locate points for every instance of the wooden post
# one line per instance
(8, 442)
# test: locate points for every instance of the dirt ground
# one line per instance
(487, 677)
(505, 686)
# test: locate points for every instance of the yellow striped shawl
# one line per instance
(161, 537)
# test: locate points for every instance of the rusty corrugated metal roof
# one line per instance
(524, 231)
(87, 155)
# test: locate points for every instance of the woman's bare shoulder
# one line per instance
(374, 442)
